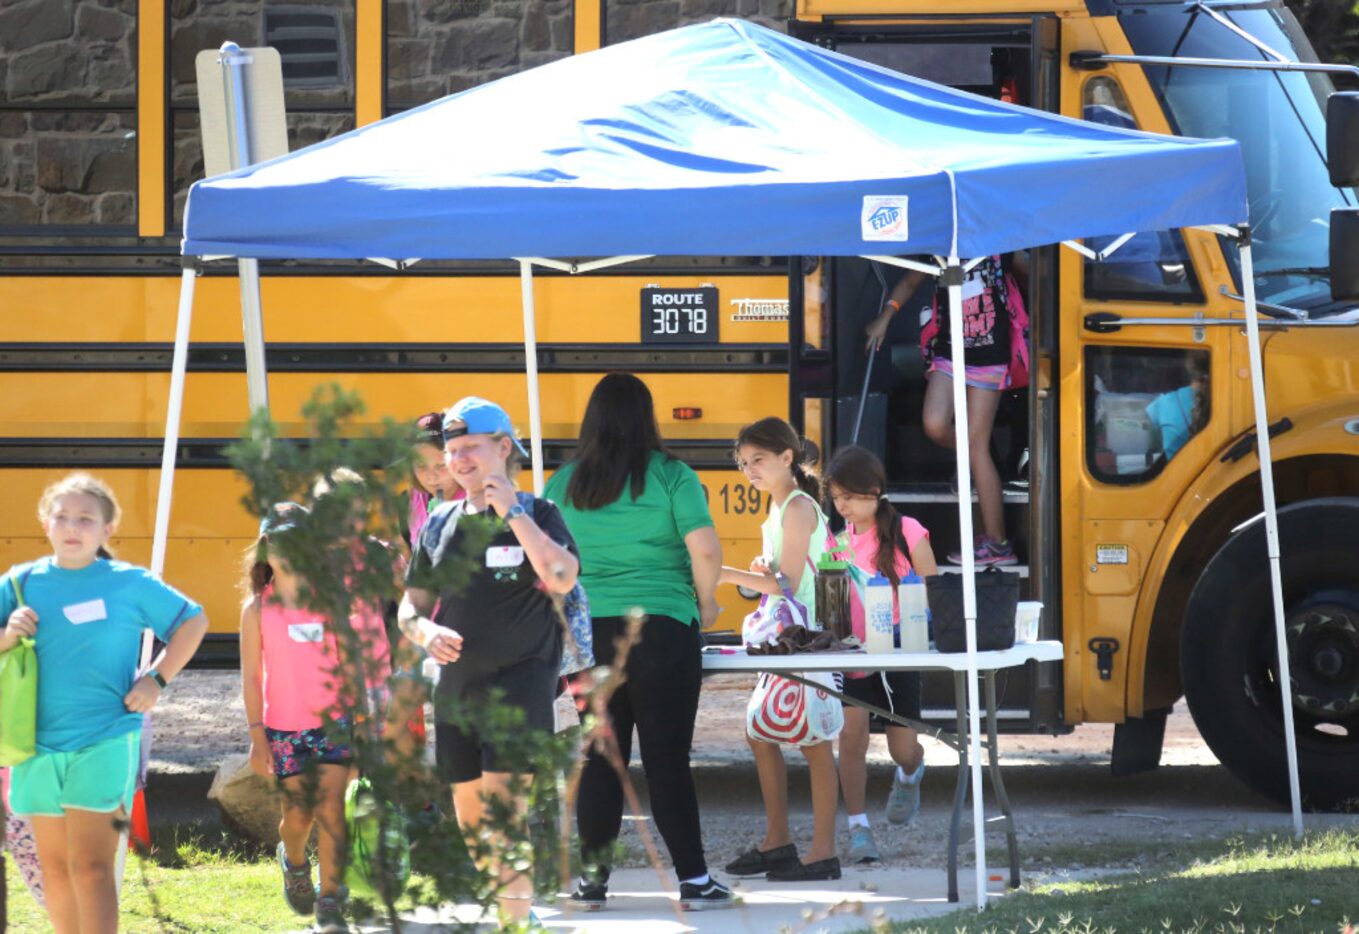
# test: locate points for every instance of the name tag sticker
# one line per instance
(504, 556)
(88, 612)
(306, 632)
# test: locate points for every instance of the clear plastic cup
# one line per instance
(1027, 615)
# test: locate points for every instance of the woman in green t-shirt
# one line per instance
(646, 539)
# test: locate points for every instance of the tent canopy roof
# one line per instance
(720, 138)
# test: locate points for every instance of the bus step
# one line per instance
(1021, 569)
(941, 493)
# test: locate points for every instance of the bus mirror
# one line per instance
(1345, 254)
(1342, 138)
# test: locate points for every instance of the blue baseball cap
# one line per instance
(481, 418)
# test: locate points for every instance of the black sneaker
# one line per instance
(706, 897)
(591, 894)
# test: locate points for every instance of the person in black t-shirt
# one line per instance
(498, 631)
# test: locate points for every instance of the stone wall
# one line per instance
(632, 19)
(440, 48)
(68, 81)
(68, 149)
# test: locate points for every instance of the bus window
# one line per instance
(68, 118)
(1152, 266)
(316, 43)
(1142, 406)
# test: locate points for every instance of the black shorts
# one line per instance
(903, 699)
(460, 751)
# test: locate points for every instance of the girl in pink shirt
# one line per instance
(887, 543)
(299, 715)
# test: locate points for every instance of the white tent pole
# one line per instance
(953, 278)
(1257, 385)
(531, 368)
(252, 332)
(178, 367)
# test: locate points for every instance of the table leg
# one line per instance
(960, 787)
(997, 782)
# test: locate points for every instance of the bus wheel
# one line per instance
(1228, 662)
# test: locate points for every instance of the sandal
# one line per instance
(754, 861)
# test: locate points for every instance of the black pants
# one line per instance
(660, 698)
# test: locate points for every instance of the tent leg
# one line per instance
(252, 329)
(178, 366)
(531, 370)
(953, 279)
(1257, 383)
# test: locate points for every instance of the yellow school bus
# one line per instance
(97, 155)
(1130, 460)
(1132, 457)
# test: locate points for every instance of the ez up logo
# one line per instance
(884, 217)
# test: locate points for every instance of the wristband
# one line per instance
(893, 304)
(156, 676)
(257, 723)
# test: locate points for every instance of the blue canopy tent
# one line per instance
(722, 138)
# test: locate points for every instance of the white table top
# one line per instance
(737, 659)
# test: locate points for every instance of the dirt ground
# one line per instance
(1064, 796)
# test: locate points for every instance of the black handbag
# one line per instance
(997, 599)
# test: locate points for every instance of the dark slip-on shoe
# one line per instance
(823, 870)
(754, 861)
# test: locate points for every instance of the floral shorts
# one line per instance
(297, 751)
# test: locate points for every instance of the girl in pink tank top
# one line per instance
(300, 714)
(881, 541)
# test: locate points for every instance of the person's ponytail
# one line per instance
(807, 480)
(891, 539)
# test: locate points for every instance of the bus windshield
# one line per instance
(1279, 119)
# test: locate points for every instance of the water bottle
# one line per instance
(832, 596)
(878, 628)
(915, 608)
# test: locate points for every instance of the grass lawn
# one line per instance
(200, 881)
(1237, 886)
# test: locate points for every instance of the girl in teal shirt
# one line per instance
(85, 613)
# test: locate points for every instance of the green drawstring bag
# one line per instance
(18, 698)
(370, 849)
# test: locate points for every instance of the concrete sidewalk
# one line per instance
(639, 904)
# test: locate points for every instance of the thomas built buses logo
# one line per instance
(884, 217)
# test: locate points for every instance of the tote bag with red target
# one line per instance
(781, 710)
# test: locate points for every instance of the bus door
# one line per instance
(1011, 58)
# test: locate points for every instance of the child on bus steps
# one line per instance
(300, 713)
(882, 541)
(86, 613)
(770, 454)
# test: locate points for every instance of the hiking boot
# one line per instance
(591, 892)
(330, 916)
(711, 894)
(298, 889)
(903, 801)
(862, 848)
(989, 554)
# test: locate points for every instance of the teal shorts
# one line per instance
(101, 778)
